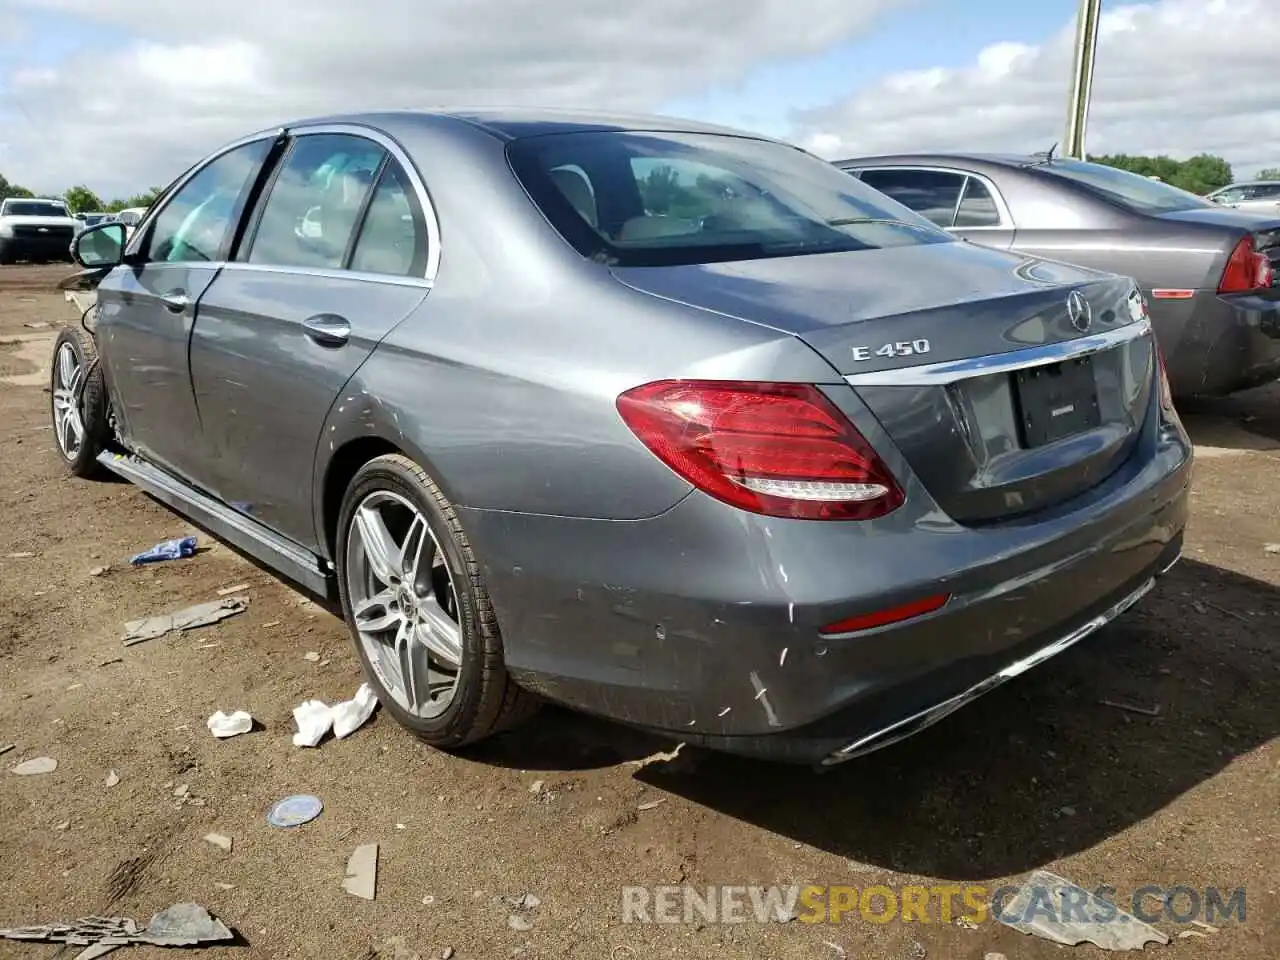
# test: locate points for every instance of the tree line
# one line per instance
(80, 199)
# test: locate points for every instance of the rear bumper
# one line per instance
(705, 622)
(1218, 345)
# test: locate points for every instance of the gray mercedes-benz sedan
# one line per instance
(669, 423)
(1210, 274)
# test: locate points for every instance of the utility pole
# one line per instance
(1082, 77)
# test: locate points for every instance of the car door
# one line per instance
(335, 256)
(147, 307)
(964, 203)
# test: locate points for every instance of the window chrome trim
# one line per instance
(950, 371)
(411, 171)
(1006, 218)
(333, 273)
(133, 246)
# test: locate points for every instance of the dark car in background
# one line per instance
(665, 422)
(1208, 272)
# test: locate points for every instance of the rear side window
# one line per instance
(315, 201)
(197, 222)
(977, 206)
(642, 198)
(933, 194)
(393, 237)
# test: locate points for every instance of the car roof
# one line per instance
(942, 159)
(1249, 183)
(510, 123)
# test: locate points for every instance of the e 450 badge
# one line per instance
(899, 348)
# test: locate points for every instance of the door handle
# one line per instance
(327, 329)
(175, 300)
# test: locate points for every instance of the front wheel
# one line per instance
(416, 605)
(78, 401)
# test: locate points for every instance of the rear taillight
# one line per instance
(1247, 270)
(780, 449)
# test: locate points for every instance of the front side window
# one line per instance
(933, 194)
(393, 237)
(1267, 191)
(315, 202)
(197, 222)
(638, 198)
(1130, 190)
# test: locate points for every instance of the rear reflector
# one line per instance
(881, 618)
(778, 449)
(1247, 270)
(1172, 294)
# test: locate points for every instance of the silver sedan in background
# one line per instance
(1209, 273)
(669, 423)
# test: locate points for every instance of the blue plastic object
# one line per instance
(295, 811)
(169, 550)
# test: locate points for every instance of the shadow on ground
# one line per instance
(982, 795)
(1244, 421)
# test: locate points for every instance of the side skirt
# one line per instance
(285, 557)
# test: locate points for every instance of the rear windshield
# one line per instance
(1130, 190)
(637, 199)
(34, 208)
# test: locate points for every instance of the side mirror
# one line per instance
(101, 245)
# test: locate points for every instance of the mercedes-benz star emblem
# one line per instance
(1078, 311)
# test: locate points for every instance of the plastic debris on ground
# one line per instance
(223, 725)
(362, 872)
(315, 718)
(181, 925)
(295, 811)
(189, 618)
(5, 748)
(35, 766)
(112, 779)
(174, 549)
(1047, 906)
(219, 840)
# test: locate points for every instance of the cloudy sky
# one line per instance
(123, 94)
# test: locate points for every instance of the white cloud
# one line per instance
(205, 72)
(1178, 77)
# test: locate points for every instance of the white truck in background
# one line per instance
(36, 229)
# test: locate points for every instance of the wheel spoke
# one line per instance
(416, 542)
(437, 632)
(414, 668)
(377, 613)
(66, 365)
(379, 546)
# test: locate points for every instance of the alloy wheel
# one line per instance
(67, 422)
(404, 603)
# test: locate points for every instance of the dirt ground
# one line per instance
(1042, 773)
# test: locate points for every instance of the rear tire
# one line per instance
(78, 401)
(418, 610)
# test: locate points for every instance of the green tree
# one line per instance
(1270, 173)
(144, 199)
(8, 189)
(80, 199)
(1200, 174)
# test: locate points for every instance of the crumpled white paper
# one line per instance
(223, 725)
(315, 718)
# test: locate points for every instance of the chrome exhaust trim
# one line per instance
(902, 729)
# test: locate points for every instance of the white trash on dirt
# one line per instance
(362, 872)
(35, 766)
(112, 779)
(1057, 910)
(221, 841)
(189, 618)
(181, 925)
(224, 725)
(315, 718)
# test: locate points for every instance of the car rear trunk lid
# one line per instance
(1008, 385)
